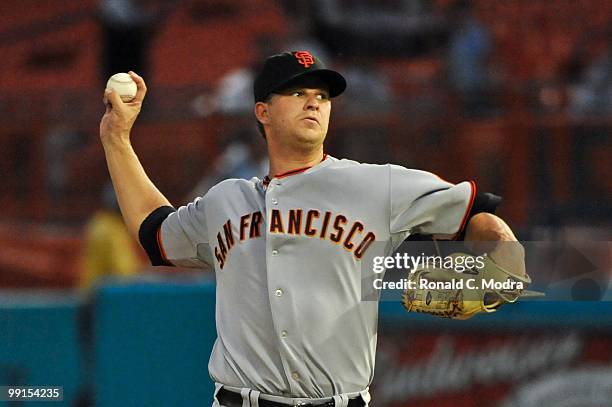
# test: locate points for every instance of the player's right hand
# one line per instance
(119, 116)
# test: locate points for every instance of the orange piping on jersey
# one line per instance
(161, 246)
(467, 211)
(299, 170)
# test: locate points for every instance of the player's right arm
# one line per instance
(169, 236)
(138, 197)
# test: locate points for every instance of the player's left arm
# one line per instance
(488, 233)
(424, 204)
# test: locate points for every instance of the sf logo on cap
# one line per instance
(304, 58)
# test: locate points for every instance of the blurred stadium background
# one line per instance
(514, 94)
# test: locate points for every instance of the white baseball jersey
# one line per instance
(287, 257)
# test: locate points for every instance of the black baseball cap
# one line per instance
(282, 70)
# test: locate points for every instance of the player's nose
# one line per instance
(312, 103)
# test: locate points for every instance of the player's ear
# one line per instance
(261, 112)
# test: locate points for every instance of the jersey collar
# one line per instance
(267, 178)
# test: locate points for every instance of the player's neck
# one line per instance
(283, 163)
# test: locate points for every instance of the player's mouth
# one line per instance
(311, 120)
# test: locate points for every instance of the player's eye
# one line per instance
(322, 96)
(297, 93)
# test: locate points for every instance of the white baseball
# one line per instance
(124, 85)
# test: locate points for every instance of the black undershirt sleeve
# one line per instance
(148, 232)
(483, 202)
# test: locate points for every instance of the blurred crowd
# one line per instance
(450, 86)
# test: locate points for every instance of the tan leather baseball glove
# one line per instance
(463, 292)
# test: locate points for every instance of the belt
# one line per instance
(232, 399)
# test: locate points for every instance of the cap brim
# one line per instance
(335, 82)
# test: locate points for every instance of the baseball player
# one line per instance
(287, 248)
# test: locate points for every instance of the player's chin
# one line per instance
(312, 129)
(311, 136)
(311, 133)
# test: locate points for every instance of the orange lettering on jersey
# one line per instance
(244, 223)
(295, 222)
(221, 246)
(357, 227)
(256, 220)
(325, 223)
(308, 230)
(365, 243)
(336, 237)
(229, 237)
(220, 258)
(276, 222)
(251, 227)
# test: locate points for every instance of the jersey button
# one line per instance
(274, 252)
(295, 375)
(284, 334)
(278, 292)
(274, 201)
